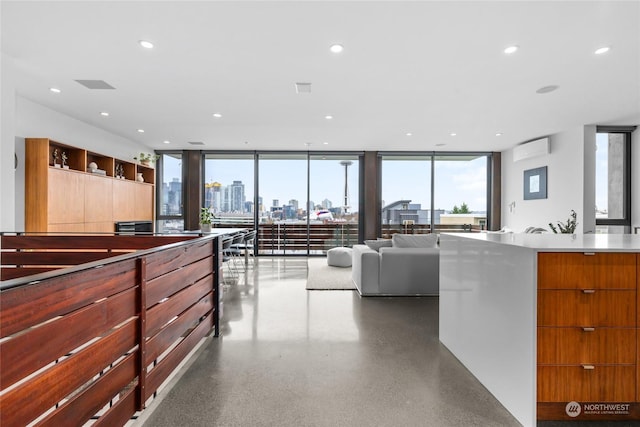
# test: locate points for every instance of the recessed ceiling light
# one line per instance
(499, 134)
(104, 114)
(408, 134)
(217, 115)
(325, 143)
(440, 145)
(308, 144)
(146, 44)
(55, 90)
(336, 48)
(167, 142)
(328, 117)
(453, 134)
(602, 50)
(141, 130)
(547, 89)
(511, 49)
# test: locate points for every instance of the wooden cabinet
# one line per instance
(63, 195)
(587, 334)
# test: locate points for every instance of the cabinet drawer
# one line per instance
(564, 346)
(575, 270)
(594, 309)
(574, 383)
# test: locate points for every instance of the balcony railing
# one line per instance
(285, 238)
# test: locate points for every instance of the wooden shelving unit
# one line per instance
(65, 196)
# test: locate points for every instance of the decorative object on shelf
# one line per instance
(566, 228)
(64, 160)
(146, 159)
(55, 158)
(120, 171)
(139, 177)
(93, 167)
(535, 183)
(206, 218)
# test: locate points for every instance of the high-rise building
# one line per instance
(326, 204)
(276, 203)
(294, 203)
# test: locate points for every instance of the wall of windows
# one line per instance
(169, 194)
(431, 193)
(305, 203)
(613, 180)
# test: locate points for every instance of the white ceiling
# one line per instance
(428, 68)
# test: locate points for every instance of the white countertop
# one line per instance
(560, 242)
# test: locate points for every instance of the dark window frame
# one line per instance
(627, 190)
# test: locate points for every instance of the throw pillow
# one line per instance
(377, 244)
(415, 241)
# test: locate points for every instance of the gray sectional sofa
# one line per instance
(406, 265)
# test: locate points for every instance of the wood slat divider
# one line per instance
(27, 306)
(120, 413)
(80, 339)
(161, 341)
(62, 336)
(160, 263)
(176, 280)
(167, 365)
(160, 314)
(57, 382)
(74, 242)
(88, 402)
(9, 273)
(52, 258)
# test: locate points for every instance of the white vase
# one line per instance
(140, 178)
(205, 228)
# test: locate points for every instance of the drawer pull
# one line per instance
(588, 367)
(589, 329)
(588, 291)
(590, 253)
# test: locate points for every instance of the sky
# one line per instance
(457, 182)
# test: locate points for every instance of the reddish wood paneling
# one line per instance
(88, 402)
(62, 335)
(174, 330)
(175, 280)
(75, 242)
(597, 309)
(160, 314)
(597, 346)
(64, 377)
(52, 258)
(160, 263)
(120, 413)
(609, 383)
(28, 306)
(164, 368)
(101, 309)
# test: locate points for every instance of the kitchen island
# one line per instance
(547, 323)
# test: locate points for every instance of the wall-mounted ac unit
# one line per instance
(539, 147)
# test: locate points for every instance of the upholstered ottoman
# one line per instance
(339, 257)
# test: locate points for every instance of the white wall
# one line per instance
(34, 120)
(635, 179)
(565, 183)
(7, 143)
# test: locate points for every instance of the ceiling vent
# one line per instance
(196, 142)
(539, 147)
(95, 84)
(303, 87)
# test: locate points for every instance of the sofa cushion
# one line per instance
(415, 240)
(377, 244)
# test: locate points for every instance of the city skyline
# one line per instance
(456, 181)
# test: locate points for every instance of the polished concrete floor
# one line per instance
(291, 357)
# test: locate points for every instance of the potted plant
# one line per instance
(566, 228)
(206, 218)
(146, 159)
